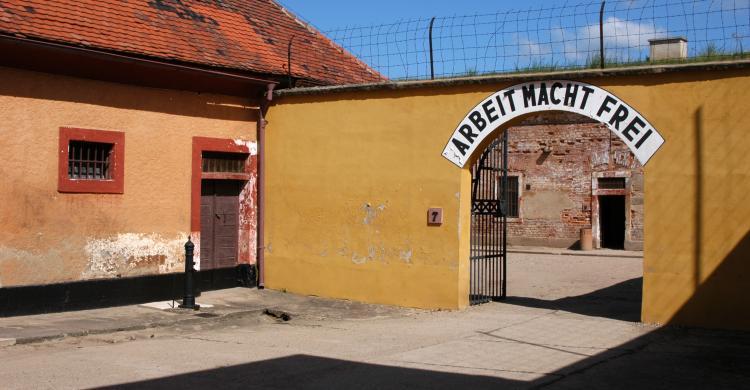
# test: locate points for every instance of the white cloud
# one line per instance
(619, 33)
(527, 47)
(620, 38)
(624, 40)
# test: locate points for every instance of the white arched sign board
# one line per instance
(553, 95)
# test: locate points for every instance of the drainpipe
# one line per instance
(262, 184)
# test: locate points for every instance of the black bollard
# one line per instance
(188, 300)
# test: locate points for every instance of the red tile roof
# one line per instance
(241, 35)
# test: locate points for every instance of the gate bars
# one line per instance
(489, 194)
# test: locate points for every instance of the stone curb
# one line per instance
(7, 342)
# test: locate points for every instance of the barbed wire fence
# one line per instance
(569, 35)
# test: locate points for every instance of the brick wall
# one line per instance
(556, 155)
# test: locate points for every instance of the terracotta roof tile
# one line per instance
(243, 35)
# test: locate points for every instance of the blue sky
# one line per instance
(391, 36)
(332, 14)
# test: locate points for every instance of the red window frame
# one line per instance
(116, 185)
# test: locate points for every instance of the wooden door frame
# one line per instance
(206, 144)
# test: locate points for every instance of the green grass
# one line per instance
(708, 54)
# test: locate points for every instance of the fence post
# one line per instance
(432, 64)
(601, 36)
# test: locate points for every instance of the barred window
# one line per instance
(512, 206)
(89, 160)
(611, 183)
(221, 162)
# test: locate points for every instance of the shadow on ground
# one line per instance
(621, 301)
(313, 372)
(668, 358)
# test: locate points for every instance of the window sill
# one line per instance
(89, 186)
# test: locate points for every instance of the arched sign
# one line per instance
(537, 96)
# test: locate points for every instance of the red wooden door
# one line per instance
(220, 212)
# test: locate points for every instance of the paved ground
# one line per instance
(568, 325)
(604, 252)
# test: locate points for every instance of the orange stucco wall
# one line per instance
(351, 175)
(47, 236)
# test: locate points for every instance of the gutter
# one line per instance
(261, 245)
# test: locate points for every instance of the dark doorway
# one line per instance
(612, 221)
(220, 212)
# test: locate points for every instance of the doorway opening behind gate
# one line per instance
(612, 221)
(535, 188)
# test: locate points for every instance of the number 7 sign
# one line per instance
(435, 216)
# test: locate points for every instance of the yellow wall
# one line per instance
(48, 236)
(331, 155)
(349, 182)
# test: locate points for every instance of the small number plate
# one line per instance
(435, 216)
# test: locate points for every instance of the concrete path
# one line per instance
(604, 252)
(221, 305)
(567, 326)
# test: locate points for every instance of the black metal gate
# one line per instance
(489, 193)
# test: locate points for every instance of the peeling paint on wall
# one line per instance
(359, 260)
(196, 238)
(248, 238)
(131, 254)
(371, 212)
(45, 232)
(405, 255)
(372, 254)
(599, 157)
(252, 146)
